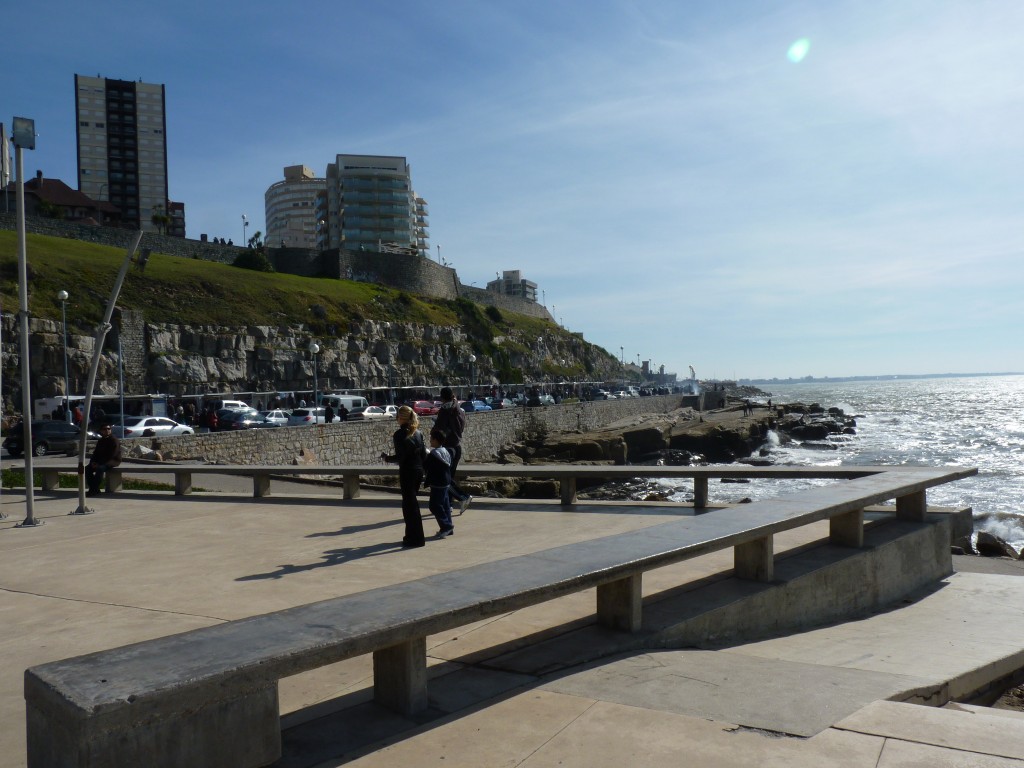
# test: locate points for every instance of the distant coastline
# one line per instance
(877, 377)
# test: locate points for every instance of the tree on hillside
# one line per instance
(254, 257)
(160, 219)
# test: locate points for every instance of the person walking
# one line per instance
(437, 467)
(452, 421)
(409, 454)
(105, 456)
(328, 414)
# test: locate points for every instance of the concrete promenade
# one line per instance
(149, 564)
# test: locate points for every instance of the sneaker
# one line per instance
(466, 501)
(444, 533)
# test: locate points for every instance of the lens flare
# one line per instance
(798, 50)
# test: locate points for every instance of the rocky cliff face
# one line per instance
(179, 359)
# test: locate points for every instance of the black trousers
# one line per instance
(456, 493)
(410, 484)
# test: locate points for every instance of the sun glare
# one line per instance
(798, 50)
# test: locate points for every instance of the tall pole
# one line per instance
(387, 344)
(63, 296)
(314, 348)
(120, 378)
(245, 223)
(26, 393)
(101, 334)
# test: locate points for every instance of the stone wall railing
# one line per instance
(361, 442)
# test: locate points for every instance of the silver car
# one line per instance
(149, 426)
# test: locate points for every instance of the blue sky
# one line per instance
(673, 182)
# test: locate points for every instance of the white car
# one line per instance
(277, 416)
(373, 412)
(306, 417)
(149, 426)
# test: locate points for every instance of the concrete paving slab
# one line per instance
(905, 754)
(966, 731)
(734, 688)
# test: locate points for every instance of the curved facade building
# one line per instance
(290, 208)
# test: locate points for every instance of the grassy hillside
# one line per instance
(190, 291)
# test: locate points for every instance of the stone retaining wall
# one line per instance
(361, 442)
(121, 238)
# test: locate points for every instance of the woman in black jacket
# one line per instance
(409, 454)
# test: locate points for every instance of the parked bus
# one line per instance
(107, 406)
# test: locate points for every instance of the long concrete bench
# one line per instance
(209, 697)
(566, 474)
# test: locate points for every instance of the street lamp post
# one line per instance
(472, 376)
(23, 132)
(245, 223)
(314, 348)
(387, 344)
(622, 365)
(62, 296)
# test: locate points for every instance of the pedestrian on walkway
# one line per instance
(437, 467)
(409, 454)
(452, 420)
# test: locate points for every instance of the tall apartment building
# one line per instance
(369, 204)
(512, 283)
(122, 147)
(291, 209)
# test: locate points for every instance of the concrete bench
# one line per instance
(566, 474)
(209, 697)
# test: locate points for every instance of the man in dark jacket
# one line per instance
(452, 420)
(105, 456)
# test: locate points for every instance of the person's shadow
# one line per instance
(330, 558)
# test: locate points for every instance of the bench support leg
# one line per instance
(847, 530)
(260, 486)
(400, 676)
(50, 479)
(568, 489)
(755, 560)
(351, 486)
(182, 483)
(700, 493)
(619, 604)
(115, 481)
(912, 507)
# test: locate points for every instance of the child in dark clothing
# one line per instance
(437, 466)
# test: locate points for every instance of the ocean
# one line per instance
(969, 422)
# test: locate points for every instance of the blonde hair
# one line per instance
(412, 420)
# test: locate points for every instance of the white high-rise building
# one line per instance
(290, 208)
(122, 147)
(370, 205)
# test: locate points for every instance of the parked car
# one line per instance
(47, 437)
(253, 420)
(366, 413)
(279, 417)
(424, 408)
(497, 403)
(149, 426)
(473, 406)
(234, 419)
(306, 417)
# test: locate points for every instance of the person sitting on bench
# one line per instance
(105, 456)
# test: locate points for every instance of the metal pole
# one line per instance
(3, 516)
(120, 377)
(101, 334)
(26, 394)
(63, 296)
